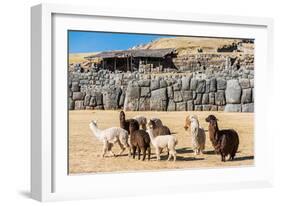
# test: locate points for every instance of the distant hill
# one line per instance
(187, 45)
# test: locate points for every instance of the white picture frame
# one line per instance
(49, 178)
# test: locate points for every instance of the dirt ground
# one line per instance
(85, 149)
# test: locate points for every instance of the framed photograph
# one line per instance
(138, 102)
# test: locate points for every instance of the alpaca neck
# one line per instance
(150, 132)
(212, 133)
(96, 131)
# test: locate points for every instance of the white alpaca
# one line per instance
(142, 121)
(111, 136)
(163, 141)
(198, 135)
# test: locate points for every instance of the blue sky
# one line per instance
(89, 41)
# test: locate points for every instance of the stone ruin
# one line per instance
(213, 84)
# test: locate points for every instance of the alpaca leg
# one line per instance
(104, 149)
(129, 151)
(149, 152)
(110, 145)
(157, 153)
(143, 153)
(134, 151)
(122, 147)
(139, 152)
(174, 155)
(169, 156)
(222, 157)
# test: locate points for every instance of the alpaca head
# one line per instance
(212, 120)
(187, 123)
(188, 120)
(94, 123)
(151, 124)
(122, 116)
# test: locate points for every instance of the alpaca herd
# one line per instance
(137, 134)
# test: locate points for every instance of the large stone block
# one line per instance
(220, 97)
(93, 102)
(207, 87)
(248, 107)
(78, 96)
(205, 98)
(145, 92)
(214, 108)
(185, 83)
(252, 83)
(170, 92)
(144, 83)
(193, 84)
(177, 86)
(213, 85)
(75, 87)
(198, 99)
(221, 108)
(87, 100)
(171, 105)
(122, 99)
(163, 83)
(253, 95)
(221, 84)
(190, 106)
(79, 105)
(178, 96)
(111, 98)
(246, 96)
(158, 100)
(212, 98)
(159, 94)
(187, 95)
(70, 104)
(181, 106)
(155, 84)
(144, 104)
(99, 98)
(198, 108)
(133, 91)
(244, 83)
(233, 92)
(206, 107)
(233, 108)
(201, 86)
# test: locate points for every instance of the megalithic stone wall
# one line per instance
(134, 92)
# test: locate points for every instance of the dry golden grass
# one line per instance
(85, 149)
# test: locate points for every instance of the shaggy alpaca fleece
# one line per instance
(198, 135)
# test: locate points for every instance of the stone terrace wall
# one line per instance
(231, 91)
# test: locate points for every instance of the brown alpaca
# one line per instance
(225, 142)
(140, 141)
(158, 130)
(125, 124)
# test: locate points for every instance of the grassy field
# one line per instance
(85, 149)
